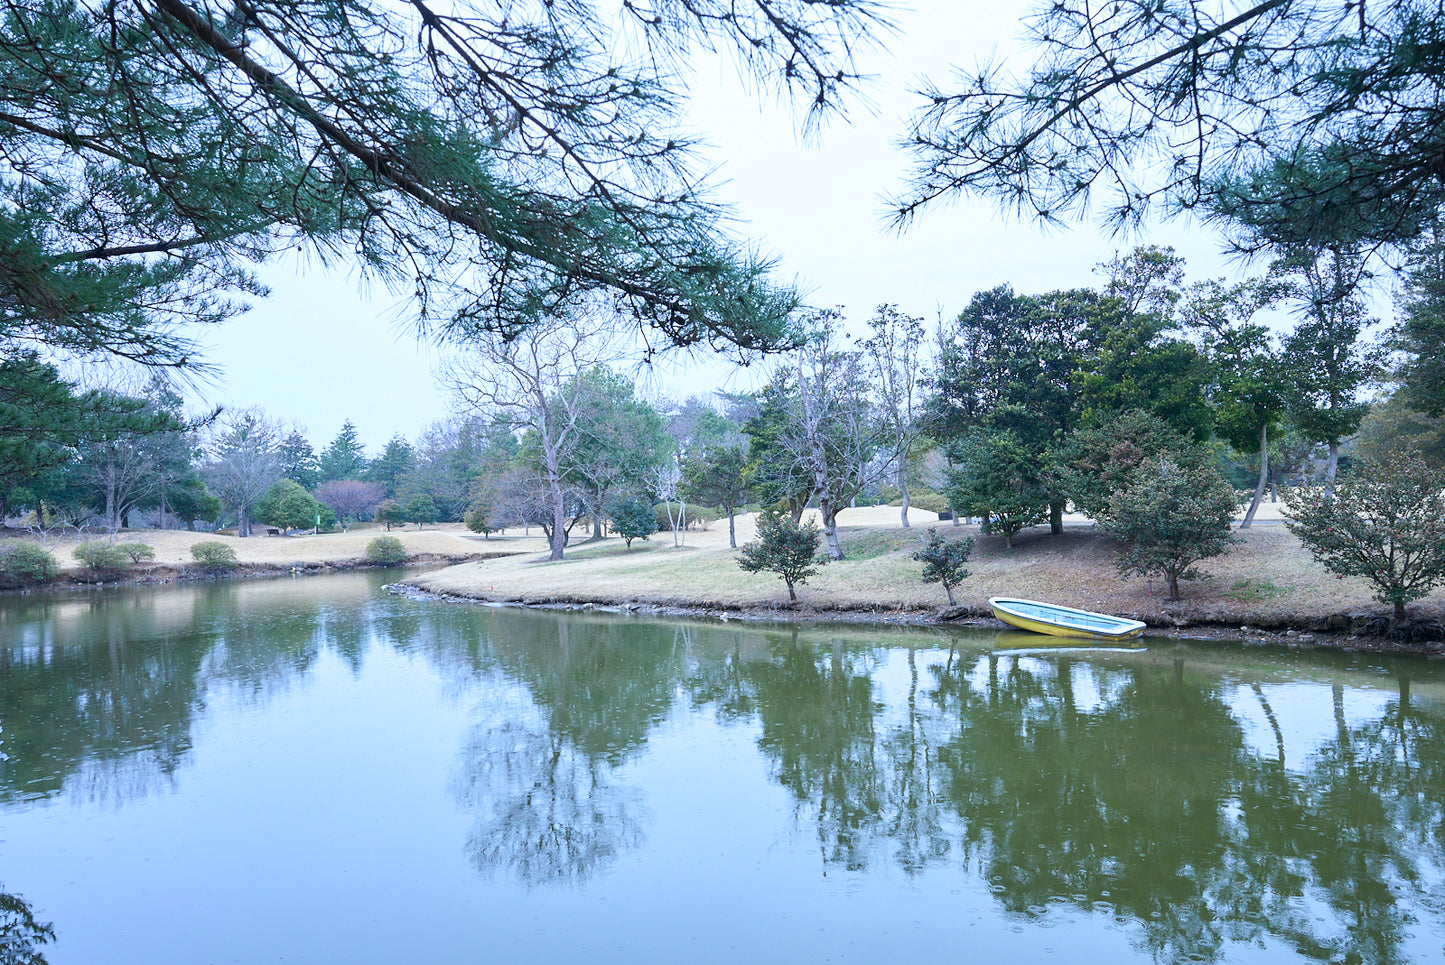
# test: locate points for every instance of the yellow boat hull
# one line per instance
(1126, 628)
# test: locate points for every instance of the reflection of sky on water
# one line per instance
(355, 777)
(1305, 715)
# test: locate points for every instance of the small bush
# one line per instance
(138, 552)
(785, 548)
(27, 563)
(101, 556)
(214, 556)
(386, 550)
(631, 519)
(1384, 522)
(943, 561)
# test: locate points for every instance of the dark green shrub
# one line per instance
(1384, 522)
(138, 552)
(943, 561)
(1172, 516)
(631, 519)
(214, 556)
(27, 563)
(99, 556)
(386, 550)
(927, 500)
(785, 548)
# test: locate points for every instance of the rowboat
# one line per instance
(1063, 621)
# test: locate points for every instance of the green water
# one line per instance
(315, 770)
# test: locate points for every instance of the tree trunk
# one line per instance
(559, 520)
(1263, 477)
(830, 528)
(907, 499)
(1399, 611)
(949, 590)
(112, 518)
(792, 597)
(1173, 586)
(1056, 518)
(732, 531)
(1331, 465)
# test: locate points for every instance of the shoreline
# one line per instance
(166, 574)
(1267, 589)
(1282, 634)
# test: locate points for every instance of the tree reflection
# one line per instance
(1121, 786)
(1151, 804)
(542, 779)
(546, 813)
(21, 935)
(99, 692)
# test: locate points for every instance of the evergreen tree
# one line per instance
(1250, 376)
(620, 439)
(943, 561)
(287, 506)
(420, 509)
(997, 477)
(785, 548)
(156, 149)
(1328, 367)
(1171, 516)
(388, 469)
(632, 518)
(1384, 522)
(716, 477)
(344, 458)
(298, 460)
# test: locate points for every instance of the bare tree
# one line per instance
(831, 430)
(350, 498)
(243, 462)
(665, 482)
(892, 359)
(530, 383)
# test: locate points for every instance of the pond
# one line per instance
(316, 770)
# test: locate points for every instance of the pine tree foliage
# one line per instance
(1384, 522)
(344, 457)
(1320, 115)
(496, 158)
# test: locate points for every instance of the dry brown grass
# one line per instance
(1267, 579)
(173, 547)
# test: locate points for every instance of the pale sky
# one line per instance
(320, 350)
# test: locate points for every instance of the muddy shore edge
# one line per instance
(1353, 632)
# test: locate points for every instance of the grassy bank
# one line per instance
(1267, 581)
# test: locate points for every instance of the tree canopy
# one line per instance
(498, 159)
(1315, 116)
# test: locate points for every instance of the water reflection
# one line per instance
(1165, 788)
(21, 934)
(541, 778)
